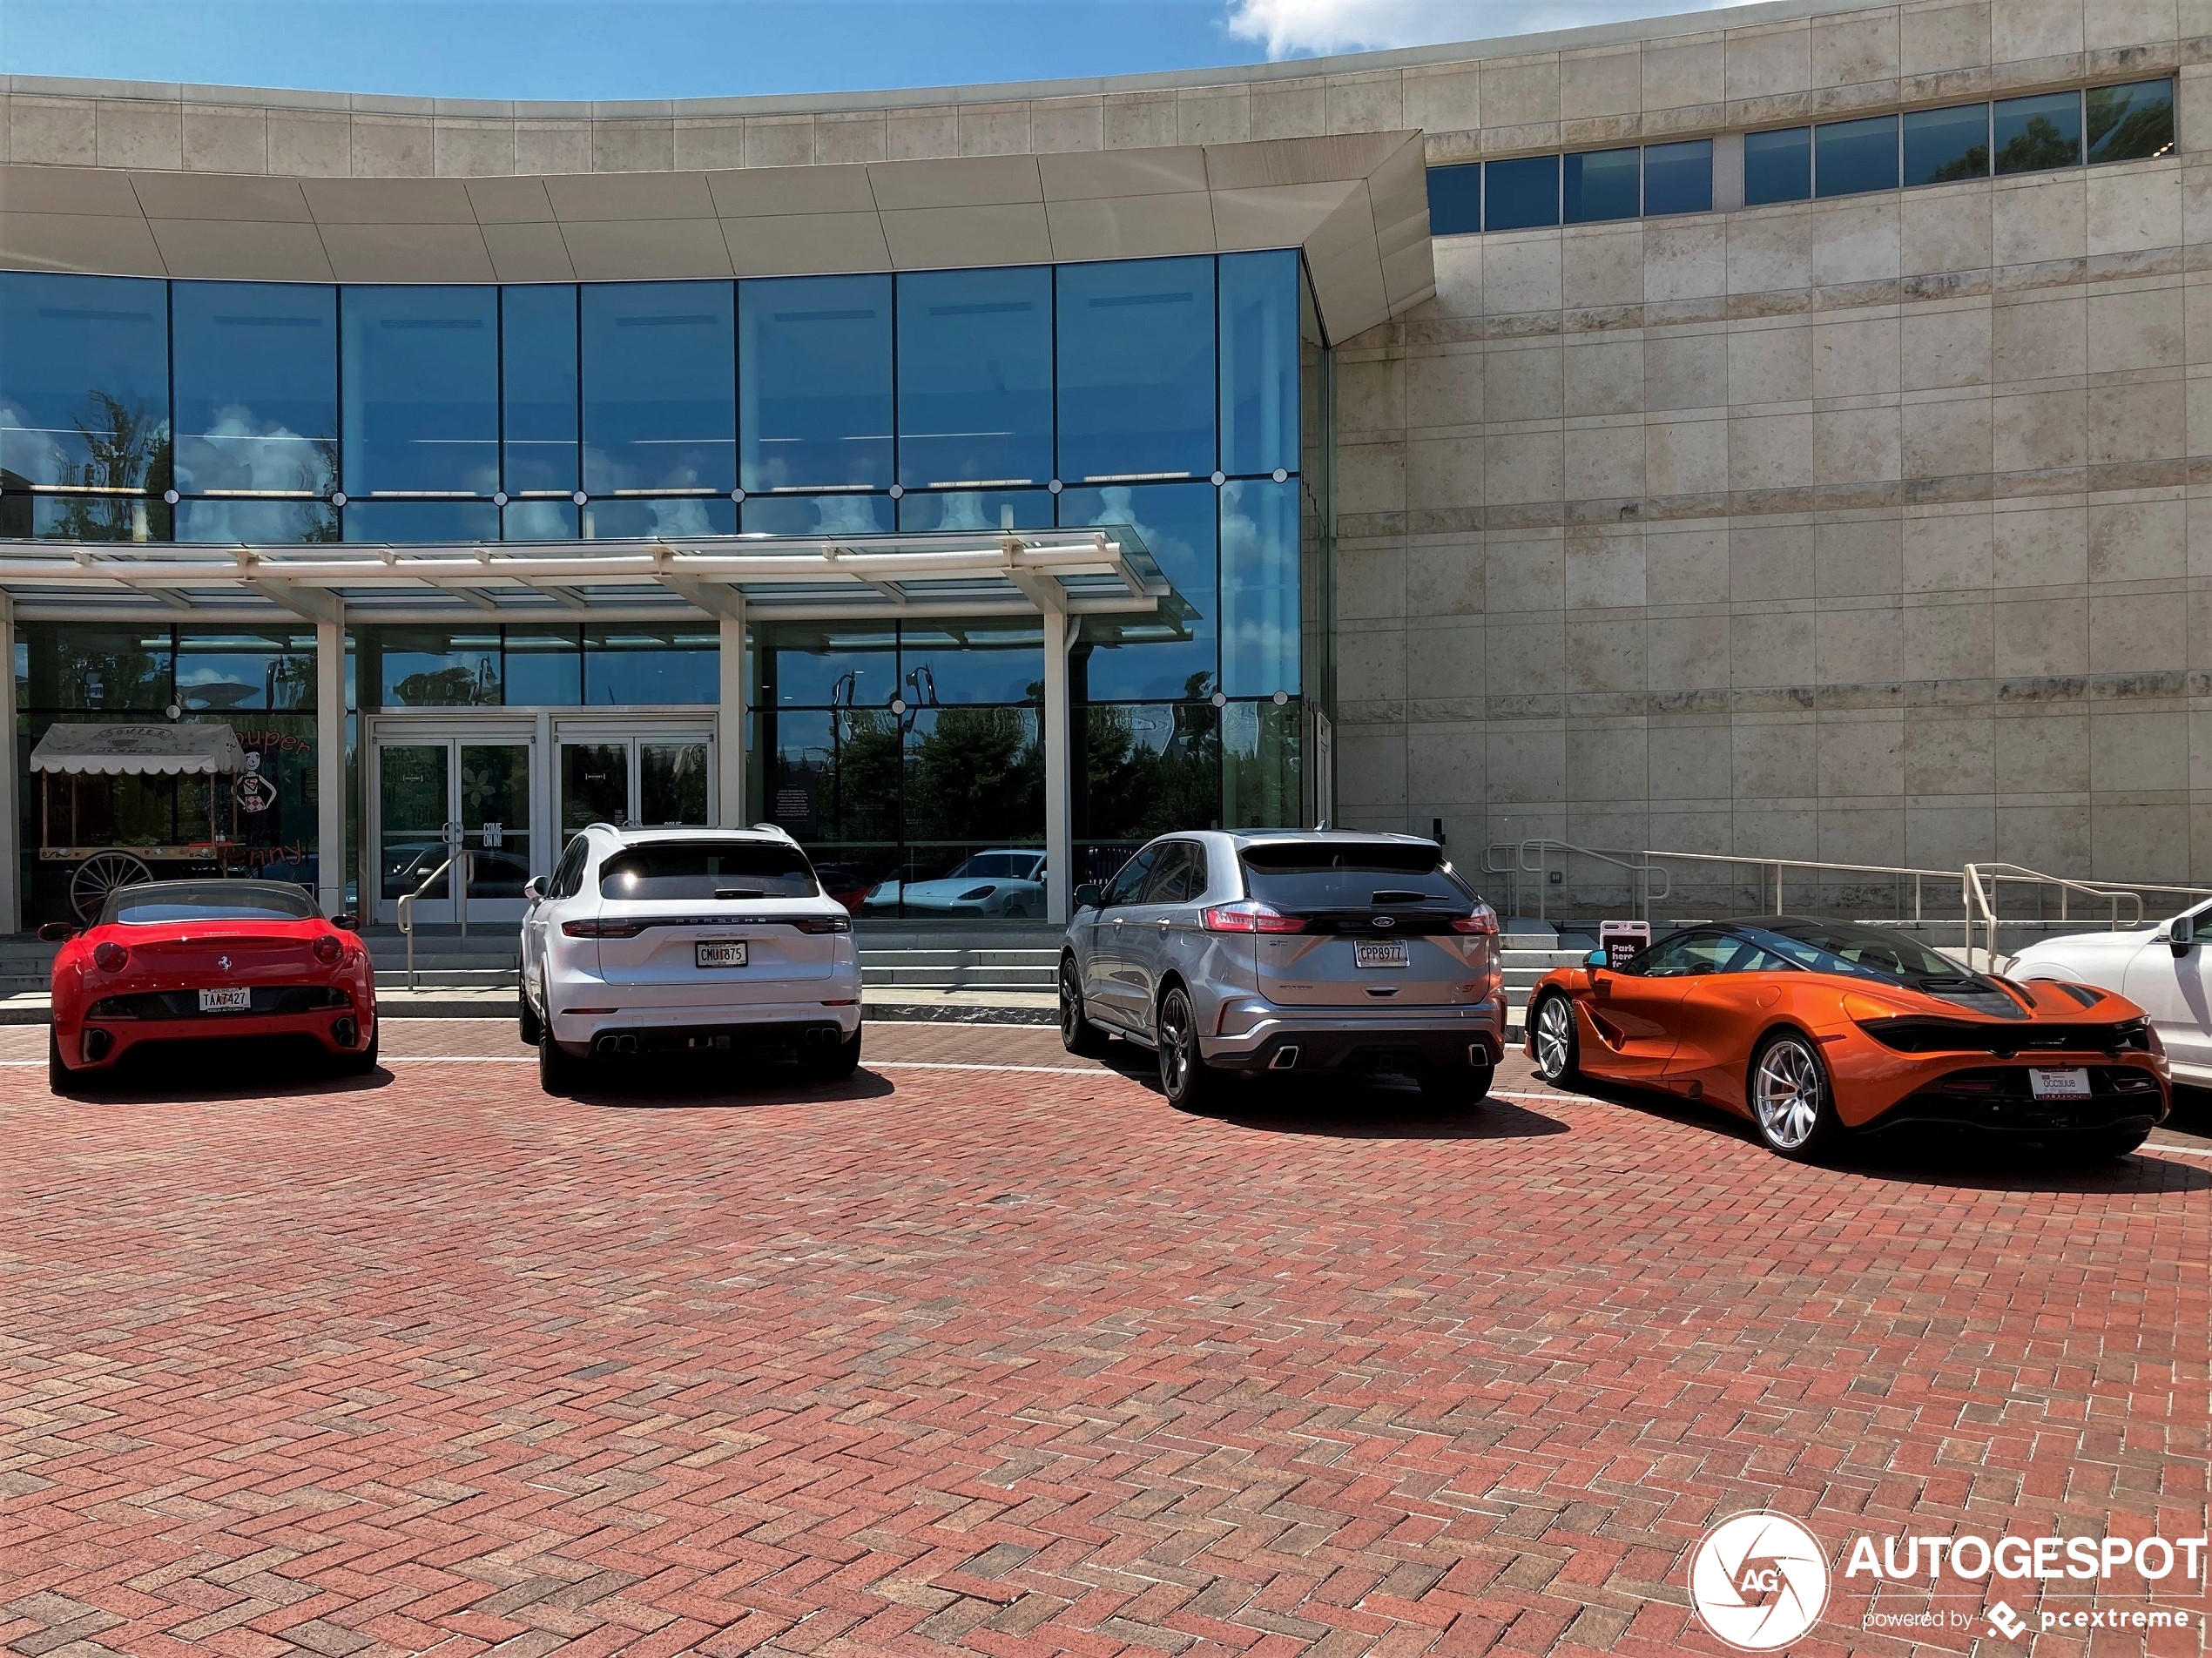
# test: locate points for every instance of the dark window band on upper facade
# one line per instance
(2133, 122)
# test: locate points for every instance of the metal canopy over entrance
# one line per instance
(769, 577)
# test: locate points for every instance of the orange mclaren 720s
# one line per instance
(1818, 1031)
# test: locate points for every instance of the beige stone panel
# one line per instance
(647, 250)
(1371, 478)
(251, 253)
(1686, 566)
(462, 149)
(1606, 762)
(510, 201)
(1948, 641)
(1770, 61)
(1442, 390)
(2136, 633)
(2143, 421)
(2139, 841)
(633, 147)
(1525, 574)
(1525, 381)
(1943, 229)
(1939, 350)
(2042, 217)
(1444, 579)
(1684, 457)
(1855, 47)
(2037, 637)
(1946, 440)
(1860, 756)
(1371, 771)
(2027, 29)
(1949, 756)
(2201, 749)
(1770, 560)
(2039, 837)
(1857, 358)
(1446, 759)
(1604, 80)
(1521, 466)
(389, 201)
(852, 136)
(2137, 750)
(1128, 227)
(1521, 92)
(1520, 273)
(1686, 653)
(1604, 569)
(140, 133)
(525, 252)
(307, 144)
(1371, 666)
(2129, 23)
(1444, 663)
(1860, 647)
(2038, 339)
(756, 192)
(779, 141)
(52, 131)
(1933, 38)
(1769, 451)
(2193, 105)
(969, 181)
(1769, 363)
(1604, 376)
(1776, 758)
(805, 244)
(704, 145)
(2035, 430)
(408, 253)
(1458, 274)
(2040, 546)
(1525, 763)
(1370, 393)
(1372, 584)
(1363, 103)
(1858, 557)
(1213, 115)
(185, 195)
(217, 139)
(1527, 659)
(1442, 97)
(993, 129)
(1276, 215)
(1769, 250)
(1691, 759)
(393, 146)
(1684, 71)
(2197, 411)
(1685, 261)
(1141, 120)
(1856, 242)
(1944, 550)
(107, 245)
(921, 135)
(1443, 473)
(2144, 540)
(1291, 109)
(1685, 370)
(541, 148)
(1601, 267)
(942, 238)
(2135, 207)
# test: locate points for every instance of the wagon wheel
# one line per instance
(100, 875)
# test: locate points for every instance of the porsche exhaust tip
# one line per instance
(616, 1044)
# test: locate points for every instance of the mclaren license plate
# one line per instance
(720, 952)
(232, 999)
(1380, 952)
(2059, 1085)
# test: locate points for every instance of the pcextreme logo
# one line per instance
(1760, 1581)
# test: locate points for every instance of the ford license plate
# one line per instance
(229, 999)
(1380, 952)
(2059, 1085)
(721, 953)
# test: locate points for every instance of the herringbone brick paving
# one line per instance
(1021, 1361)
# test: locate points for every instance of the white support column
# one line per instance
(330, 769)
(729, 722)
(10, 808)
(1059, 840)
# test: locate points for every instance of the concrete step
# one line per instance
(963, 958)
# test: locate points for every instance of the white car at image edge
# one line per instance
(2162, 969)
(1009, 881)
(662, 941)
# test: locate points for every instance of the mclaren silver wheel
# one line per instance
(1787, 1093)
(1554, 1038)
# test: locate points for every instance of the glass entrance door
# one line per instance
(438, 798)
(650, 781)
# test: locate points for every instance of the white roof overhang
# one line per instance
(1104, 570)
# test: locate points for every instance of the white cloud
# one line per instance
(1292, 28)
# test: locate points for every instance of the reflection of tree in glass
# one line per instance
(127, 446)
(860, 796)
(2119, 130)
(1972, 164)
(1152, 769)
(977, 775)
(454, 687)
(2037, 146)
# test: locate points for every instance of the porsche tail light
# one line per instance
(601, 929)
(327, 949)
(110, 957)
(823, 924)
(1483, 922)
(1250, 915)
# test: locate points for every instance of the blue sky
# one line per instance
(619, 49)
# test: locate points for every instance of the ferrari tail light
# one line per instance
(327, 949)
(110, 957)
(1250, 915)
(601, 929)
(1483, 921)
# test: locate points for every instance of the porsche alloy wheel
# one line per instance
(1556, 1038)
(1790, 1096)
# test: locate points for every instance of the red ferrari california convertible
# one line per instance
(1820, 1030)
(178, 961)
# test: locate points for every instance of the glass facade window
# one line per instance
(538, 373)
(1520, 194)
(440, 668)
(1777, 166)
(542, 521)
(1456, 200)
(2130, 123)
(1678, 178)
(1153, 767)
(261, 522)
(1259, 358)
(1136, 385)
(819, 514)
(93, 517)
(406, 521)
(1602, 184)
(1944, 145)
(2033, 134)
(84, 382)
(543, 667)
(827, 665)
(814, 383)
(219, 673)
(1170, 652)
(1851, 158)
(992, 661)
(974, 377)
(974, 781)
(420, 375)
(256, 366)
(78, 668)
(1259, 765)
(672, 663)
(975, 509)
(642, 519)
(1259, 588)
(659, 410)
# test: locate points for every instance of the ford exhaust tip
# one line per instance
(1284, 1058)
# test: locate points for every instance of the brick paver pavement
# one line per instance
(1019, 1360)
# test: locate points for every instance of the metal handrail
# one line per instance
(460, 855)
(1983, 886)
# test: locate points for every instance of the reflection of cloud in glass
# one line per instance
(845, 515)
(22, 448)
(963, 511)
(680, 518)
(239, 451)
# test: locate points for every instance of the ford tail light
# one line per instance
(327, 949)
(601, 929)
(110, 957)
(1483, 922)
(1250, 915)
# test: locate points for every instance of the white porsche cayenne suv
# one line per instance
(686, 940)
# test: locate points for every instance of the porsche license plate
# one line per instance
(721, 953)
(232, 999)
(1380, 952)
(2059, 1085)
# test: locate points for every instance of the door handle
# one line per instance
(1117, 921)
(1161, 924)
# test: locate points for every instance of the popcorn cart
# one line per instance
(73, 753)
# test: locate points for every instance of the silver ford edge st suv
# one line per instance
(1288, 951)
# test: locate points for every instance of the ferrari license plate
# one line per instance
(2059, 1085)
(232, 999)
(1380, 952)
(721, 953)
